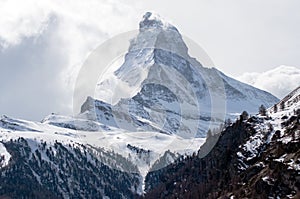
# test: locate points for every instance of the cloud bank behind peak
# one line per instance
(278, 81)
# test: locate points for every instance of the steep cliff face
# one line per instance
(254, 158)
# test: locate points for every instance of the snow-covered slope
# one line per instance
(288, 103)
(160, 87)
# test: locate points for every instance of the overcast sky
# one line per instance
(44, 43)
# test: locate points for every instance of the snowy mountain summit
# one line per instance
(160, 87)
(153, 20)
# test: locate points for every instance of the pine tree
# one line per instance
(244, 115)
(262, 110)
(282, 106)
(275, 108)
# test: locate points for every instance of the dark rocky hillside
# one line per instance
(250, 160)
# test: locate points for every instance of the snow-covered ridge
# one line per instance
(289, 102)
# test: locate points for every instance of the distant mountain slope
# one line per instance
(254, 158)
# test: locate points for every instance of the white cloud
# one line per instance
(279, 81)
(58, 36)
(28, 18)
(21, 19)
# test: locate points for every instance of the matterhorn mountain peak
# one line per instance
(170, 91)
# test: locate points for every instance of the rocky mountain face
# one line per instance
(256, 157)
(170, 91)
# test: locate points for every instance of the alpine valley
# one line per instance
(164, 137)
